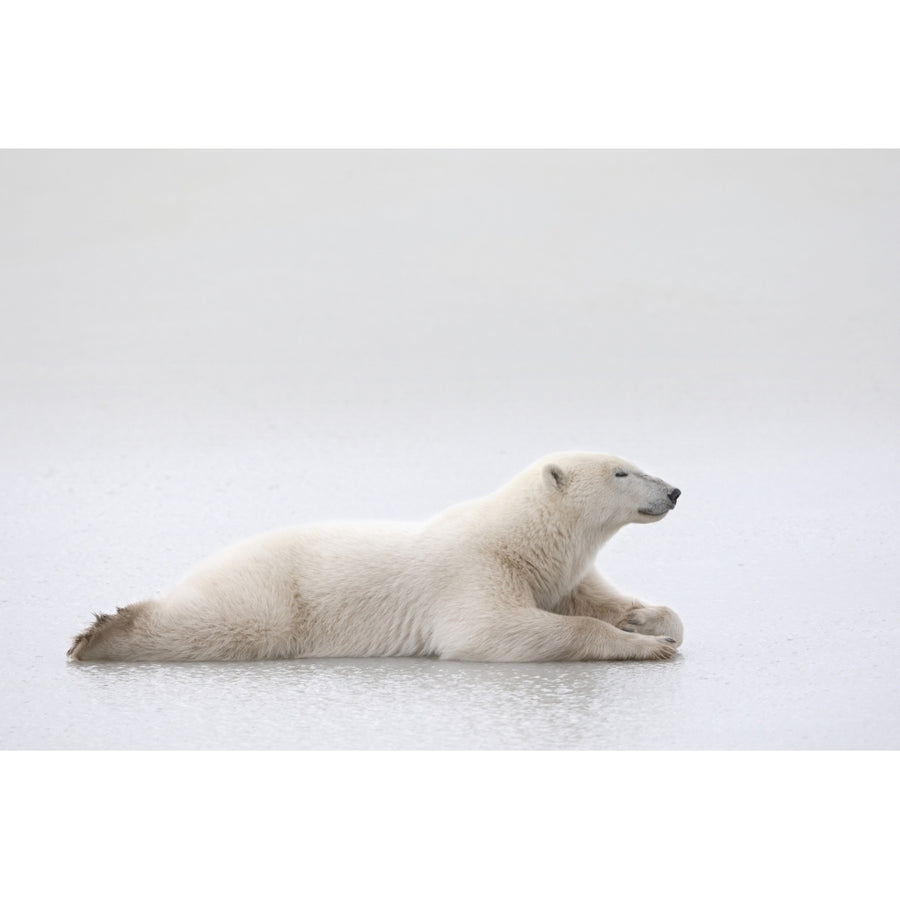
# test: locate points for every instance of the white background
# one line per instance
(579, 75)
(200, 346)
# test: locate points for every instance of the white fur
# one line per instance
(506, 577)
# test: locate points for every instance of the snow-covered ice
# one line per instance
(200, 346)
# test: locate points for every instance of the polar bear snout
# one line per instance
(662, 499)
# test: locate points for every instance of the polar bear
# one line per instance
(508, 577)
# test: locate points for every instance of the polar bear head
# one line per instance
(606, 490)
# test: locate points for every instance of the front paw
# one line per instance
(657, 620)
(654, 647)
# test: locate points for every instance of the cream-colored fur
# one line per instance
(506, 577)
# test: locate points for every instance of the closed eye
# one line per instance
(621, 474)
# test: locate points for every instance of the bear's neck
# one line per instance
(552, 549)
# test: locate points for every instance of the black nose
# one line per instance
(674, 494)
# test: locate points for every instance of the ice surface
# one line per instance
(199, 346)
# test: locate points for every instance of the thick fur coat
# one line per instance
(508, 577)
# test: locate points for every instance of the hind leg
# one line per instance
(118, 636)
(184, 625)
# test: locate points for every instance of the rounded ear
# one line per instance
(555, 477)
